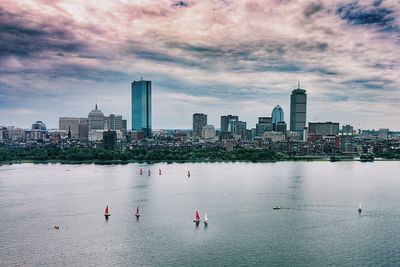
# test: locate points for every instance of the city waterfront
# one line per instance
(318, 223)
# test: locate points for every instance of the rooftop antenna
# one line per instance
(298, 84)
(96, 105)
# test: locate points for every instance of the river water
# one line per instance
(318, 223)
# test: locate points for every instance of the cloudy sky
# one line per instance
(217, 57)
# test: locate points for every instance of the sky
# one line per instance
(218, 57)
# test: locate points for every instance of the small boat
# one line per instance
(188, 174)
(148, 172)
(205, 219)
(140, 172)
(107, 213)
(137, 214)
(359, 208)
(56, 227)
(197, 219)
(276, 208)
(159, 171)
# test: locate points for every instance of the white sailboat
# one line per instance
(205, 219)
(359, 208)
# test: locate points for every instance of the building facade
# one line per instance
(66, 123)
(226, 121)
(109, 140)
(96, 119)
(277, 116)
(141, 107)
(199, 121)
(264, 125)
(208, 132)
(298, 110)
(324, 128)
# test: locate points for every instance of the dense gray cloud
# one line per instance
(216, 57)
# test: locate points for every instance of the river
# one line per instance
(318, 223)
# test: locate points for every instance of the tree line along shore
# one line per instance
(97, 155)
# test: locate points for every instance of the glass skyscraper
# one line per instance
(277, 114)
(141, 107)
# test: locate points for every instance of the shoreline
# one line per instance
(120, 162)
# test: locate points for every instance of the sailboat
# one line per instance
(140, 172)
(188, 174)
(107, 213)
(159, 171)
(137, 214)
(205, 219)
(197, 219)
(359, 208)
(149, 173)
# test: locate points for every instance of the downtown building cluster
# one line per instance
(271, 132)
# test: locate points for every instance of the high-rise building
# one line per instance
(323, 128)
(112, 122)
(281, 127)
(110, 140)
(264, 125)
(96, 119)
(83, 130)
(347, 129)
(240, 129)
(118, 123)
(226, 121)
(298, 109)
(199, 121)
(141, 107)
(277, 114)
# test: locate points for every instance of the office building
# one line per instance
(208, 132)
(70, 123)
(240, 129)
(3, 133)
(264, 125)
(109, 140)
(141, 107)
(38, 126)
(281, 127)
(226, 121)
(96, 119)
(83, 130)
(323, 128)
(298, 109)
(347, 130)
(199, 121)
(277, 116)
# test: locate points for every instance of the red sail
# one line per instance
(106, 210)
(197, 216)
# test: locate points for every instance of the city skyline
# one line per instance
(207, 57)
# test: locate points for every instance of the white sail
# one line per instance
(205, 217)
(359, 206)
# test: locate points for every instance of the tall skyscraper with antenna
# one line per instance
(298, 110)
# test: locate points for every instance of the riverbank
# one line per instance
(123, 162)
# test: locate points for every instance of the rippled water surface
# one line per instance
(317, 225)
